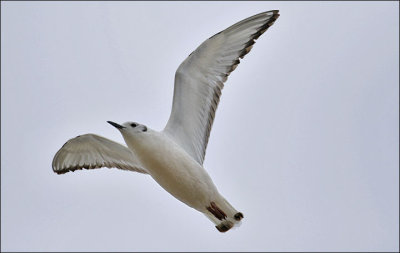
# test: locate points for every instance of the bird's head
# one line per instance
(129, 128)
(135, 134)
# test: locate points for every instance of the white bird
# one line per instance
(174, 156)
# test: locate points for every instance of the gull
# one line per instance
(174, 156)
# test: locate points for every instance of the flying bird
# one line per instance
(174, 156)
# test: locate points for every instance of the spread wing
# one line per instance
(91, 151)
(200, 79)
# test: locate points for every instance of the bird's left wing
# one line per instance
(200, 79)
(91, 151)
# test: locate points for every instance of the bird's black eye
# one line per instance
(145, 129)
(133, 125)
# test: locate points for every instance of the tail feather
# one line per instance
(223, 215)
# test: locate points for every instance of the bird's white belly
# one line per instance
(178, 173)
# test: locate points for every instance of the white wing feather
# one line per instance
(91, 151)
(200, 79)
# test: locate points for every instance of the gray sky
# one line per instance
(305, 141)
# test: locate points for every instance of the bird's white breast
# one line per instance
(175, 170)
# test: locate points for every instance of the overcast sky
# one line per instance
(305, 142)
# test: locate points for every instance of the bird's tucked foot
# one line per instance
(238, 216)
(224, 226)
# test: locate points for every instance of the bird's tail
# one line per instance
(223, 215)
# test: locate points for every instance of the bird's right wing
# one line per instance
(91, 151)
(200, 79)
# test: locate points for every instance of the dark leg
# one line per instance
(216, 211)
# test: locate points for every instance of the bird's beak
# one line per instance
(116, 125)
